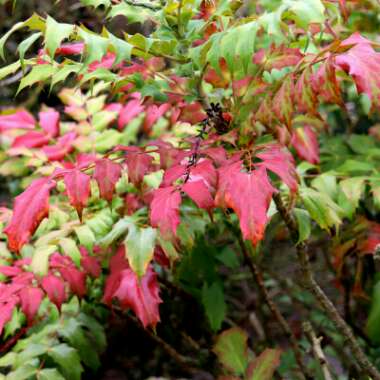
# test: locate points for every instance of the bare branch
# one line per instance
(318, 353)
(311, 285)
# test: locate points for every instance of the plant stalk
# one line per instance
(259, 278)
(311, 285)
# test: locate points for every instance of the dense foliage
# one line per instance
(166, 157)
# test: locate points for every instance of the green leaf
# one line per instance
(68, 360)
(95, 46)
(32, 351)
(303, 223)
(263, 367)
(354, 166)
(50, 374)
(321, 208)
(326, 184)
(3, 39)
(306, 12)
(118, 230)
(25, 45)
(8, 359)
(229, 258)
(214, 304)
(139, 248)
(70, 248)
(55, 34)
(73, 332)
(16, 322)
(99, 74)
(107, 140)
(272, 24)
(231, 349)
(361, 144)
(35, 22)
(40, 260)
(352, 190)
(123, 49)
(22, 373)
(38, 73)
(168, 248)
(95, 331)
(62, 73)
(10, 69)
(85, 236)
(96, 3)
(133, 14)
(101, 223)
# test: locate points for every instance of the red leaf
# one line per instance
(199, 193)
(75, 278)
(105, 63)
(164, 210)
(61, 149)
(172, 174)
(18, 120)
(305, 142)
(141, 295)
(70, 49)
(131, 110)
(305, 96)
(277, 57)
(224, 178)
(264, 113)
(30, 298)
(205, 171)
(90, 264)
(78, 189)
(217, 154)
(281, 162)
(217, 80)
(138, 163)
(32, 139)
(106, 174)
(112, 284)
(9, 291)
(362, 62)
(161, 258)
(240, 87)
(10, 271)
(55, 289)
(29, 209)
(169, 155)
(283, 101)
(192, 113)
(207, 9)
(117, 264)
(249, 195)
(49, 122)
(153, 113)
(324, 82)
(6, 310)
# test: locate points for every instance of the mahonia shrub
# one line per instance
(223, 120)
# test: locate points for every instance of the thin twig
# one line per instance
(318, 353)
(258, 276)
(185, 363)
(310, 284)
